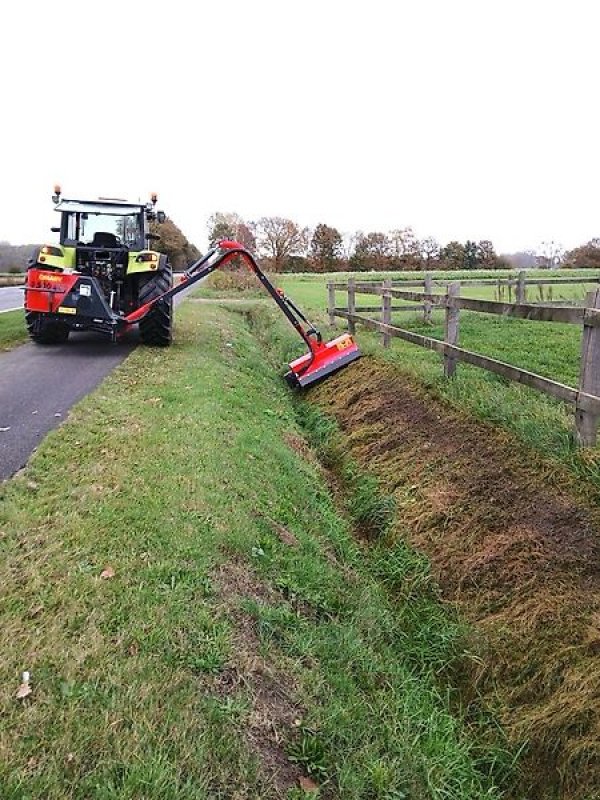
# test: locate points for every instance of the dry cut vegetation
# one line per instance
(514, 544)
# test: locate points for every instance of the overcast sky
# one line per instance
(463, 119)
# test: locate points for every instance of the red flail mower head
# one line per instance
(323, 359)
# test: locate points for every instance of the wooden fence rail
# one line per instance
(585, 399)
(520, 279)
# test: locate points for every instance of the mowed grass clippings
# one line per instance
(12, 329)
(514, 547)
(156, 670)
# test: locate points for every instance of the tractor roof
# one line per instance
(118, 207)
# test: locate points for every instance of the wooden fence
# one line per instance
(516, 283)
(585, 399)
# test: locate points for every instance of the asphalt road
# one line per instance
(11, 298)
(39, 384)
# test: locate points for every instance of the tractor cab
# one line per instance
(107, 241)
(106, 222)
(101, 224)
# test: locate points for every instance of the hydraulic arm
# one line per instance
(322, 358)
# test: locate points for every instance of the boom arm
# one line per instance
(218, 257)
(322, 358)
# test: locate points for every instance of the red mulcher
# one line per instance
(322, 359)
(49, 292)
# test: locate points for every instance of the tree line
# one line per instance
(283, 245)
(14, 257)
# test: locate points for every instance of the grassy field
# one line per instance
(197, 617)
(10, 279)
(12, 329)
(311, 290)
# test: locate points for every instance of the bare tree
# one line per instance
(429, 250)
(348, 244)
(279, 238)
(228, 225)
(404, 248)
(550, 254)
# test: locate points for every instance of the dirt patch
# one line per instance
(275, 713)
(512, 545)
(299, 446)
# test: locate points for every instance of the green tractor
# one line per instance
(99, 273)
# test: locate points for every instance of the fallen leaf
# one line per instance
(24, 689)
(107, 573)
(287, 537)
(307, 785)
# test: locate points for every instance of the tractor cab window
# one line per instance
(115, 229)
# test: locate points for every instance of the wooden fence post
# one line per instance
(520, 288)
(451, 334)
(426, 303)
(351, 304)
(386, 310)
(331, 303)
(586, 423)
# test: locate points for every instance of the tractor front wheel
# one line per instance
(156, 328)
(45, 331)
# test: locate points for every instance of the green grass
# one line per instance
(310, 291)
(11, 280)
(12, 329)
(155, 683)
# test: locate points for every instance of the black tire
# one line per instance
(45, 331)
(156, 329)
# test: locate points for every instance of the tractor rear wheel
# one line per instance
(45, 331)
(156, 328)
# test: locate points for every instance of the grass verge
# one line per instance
(197, 618)
(12, 329)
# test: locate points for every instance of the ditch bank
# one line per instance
(515, 549)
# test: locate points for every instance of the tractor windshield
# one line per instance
(104, 230)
